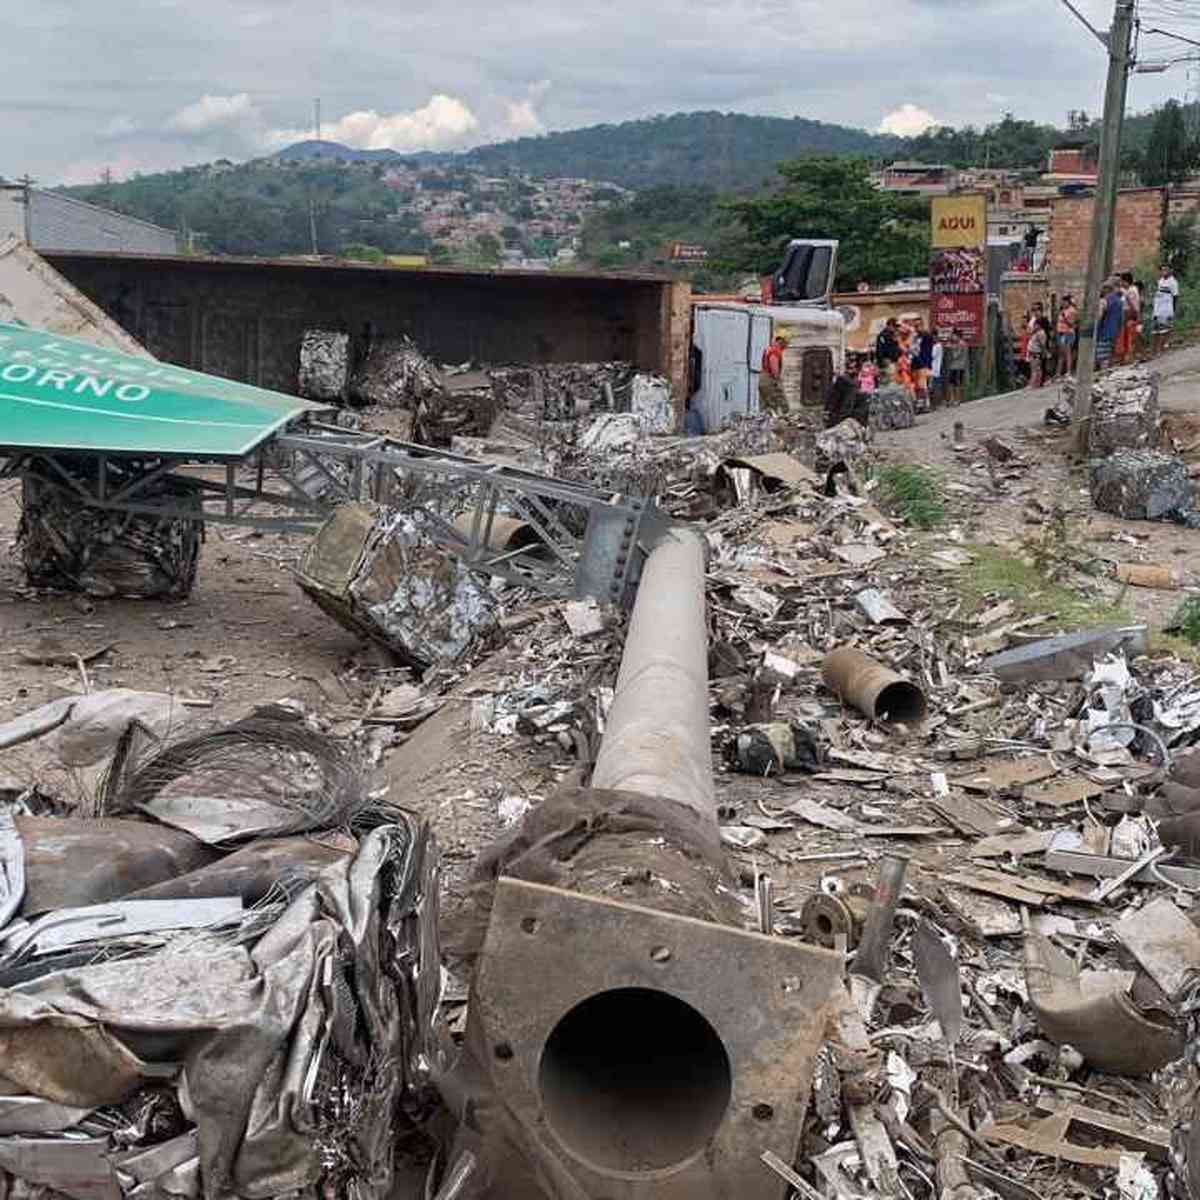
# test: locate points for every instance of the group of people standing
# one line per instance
(932, 366)
(1047, 350)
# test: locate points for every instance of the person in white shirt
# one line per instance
(935, 373)
(1165, 296)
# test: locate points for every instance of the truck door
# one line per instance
(806, 275)
(760, 339)
(721, 336)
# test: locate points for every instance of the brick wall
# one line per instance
(1139, 226)
(1018, 292)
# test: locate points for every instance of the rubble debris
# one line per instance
(376, 571)
(1125, 414)
(650, 402)
(1068, 656)
(873, 688)
(395, 374)
(891, 407)
(870, 962)
(846, 442)
(938, 973)
(878, 608)
(1097, 1012)
(1142, 485)
(779, 746)
(194, 1044)
(77, 547)
(324, 365)
(1164, 942)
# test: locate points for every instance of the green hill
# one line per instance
(728, 151)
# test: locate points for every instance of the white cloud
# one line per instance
(521, 117)
(907, 121)
(214, 112)
(120, 127)
(443, 122)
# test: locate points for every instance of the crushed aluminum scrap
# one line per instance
(198, 1047)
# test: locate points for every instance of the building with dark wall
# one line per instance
(244, 318)
(48, 221)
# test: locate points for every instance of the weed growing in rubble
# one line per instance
(1186, 621)
(996, 574)
(912, 493)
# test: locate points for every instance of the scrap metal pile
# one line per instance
(220, 979)
(464, 401)
(981, 835)
(992, 821)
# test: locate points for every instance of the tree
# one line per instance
(487, 247)
(1169, 154)
(883, 236)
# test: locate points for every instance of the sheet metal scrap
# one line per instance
(376, 573)
(298, 1037)
(1095, 1012)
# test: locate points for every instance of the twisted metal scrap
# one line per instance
(271, 754)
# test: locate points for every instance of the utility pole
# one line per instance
(1103, 212)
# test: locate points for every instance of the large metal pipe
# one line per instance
(650, 1049)
(656, 741)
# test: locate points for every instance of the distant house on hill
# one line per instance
(919, 179)
(48, 221)
(1073, 161)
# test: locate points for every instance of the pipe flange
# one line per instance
(824, 918)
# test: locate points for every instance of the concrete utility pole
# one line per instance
(1104, 210)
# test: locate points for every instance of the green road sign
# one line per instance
(65, 394)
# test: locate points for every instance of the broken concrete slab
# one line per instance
(1142, 485)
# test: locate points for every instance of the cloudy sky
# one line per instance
(143, 85)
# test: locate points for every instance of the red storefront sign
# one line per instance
(964, 312)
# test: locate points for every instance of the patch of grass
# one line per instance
(1185, 624)
(913, 493)
(995, 574)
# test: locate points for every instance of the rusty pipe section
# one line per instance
(872, 688)
(656, 741)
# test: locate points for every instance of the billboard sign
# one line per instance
(959, 271)
(958, 221)
(964, 312)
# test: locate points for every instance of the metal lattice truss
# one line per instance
(559, 537)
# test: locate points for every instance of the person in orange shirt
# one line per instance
(770, 380)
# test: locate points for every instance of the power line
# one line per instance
(1176, 36)
(1102, 38)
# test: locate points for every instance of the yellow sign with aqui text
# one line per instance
(958, 221)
